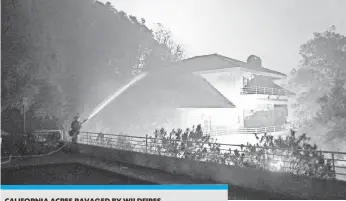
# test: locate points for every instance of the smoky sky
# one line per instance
(271, 29)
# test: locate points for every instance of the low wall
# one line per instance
(272, 182)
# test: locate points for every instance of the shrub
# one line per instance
(19, 145)
(124, 142)
(190, 144)
(293, 153)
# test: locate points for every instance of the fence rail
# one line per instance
(264, 91)
(274, 159)
(250, 131)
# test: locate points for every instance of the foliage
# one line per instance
(124, 142)
(27, 52)
(319, 84)
(163, 36)
(19, 145)
(293, 154)
(52, 51)
(12, 121)
(191, 144)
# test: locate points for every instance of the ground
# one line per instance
(72, 173)
(48, 170)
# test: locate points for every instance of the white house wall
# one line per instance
(229, 84)
(217, 116)
(236, 139)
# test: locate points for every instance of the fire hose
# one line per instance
(41, 155)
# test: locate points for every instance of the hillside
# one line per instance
(67, 56)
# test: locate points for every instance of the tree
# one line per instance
(67, 56)
(333, 112)
(175, 51)
(30, 64)
(319, 87)
(28, 55)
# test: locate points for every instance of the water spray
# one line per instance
(95, 111)
(116, 94)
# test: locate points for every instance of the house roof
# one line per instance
(221, 62)
(181, 91)
(262, 81)
(195, 92)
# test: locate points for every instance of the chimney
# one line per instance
(254, 61)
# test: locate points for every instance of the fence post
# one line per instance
(333, 164)
(265, 160)
(146, 143)
(87, 138)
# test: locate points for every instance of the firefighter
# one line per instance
(76, 125)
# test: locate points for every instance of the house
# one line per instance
(231, 99)
(259, 104)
